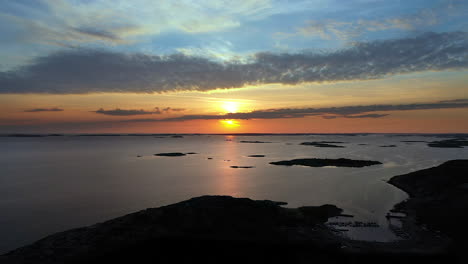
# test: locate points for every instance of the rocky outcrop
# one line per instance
(439, 201)
(322, 144)
(188, 230)
(327, 162)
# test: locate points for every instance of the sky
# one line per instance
(206, 66)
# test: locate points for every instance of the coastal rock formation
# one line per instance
(327, 162)
(438, 200)
(194, 229)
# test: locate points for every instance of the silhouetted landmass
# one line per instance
(439, 200)
(413, 141)
(177, 136)
(322, 144)
(212, 229)
(449, 143)
(256, 156)
(254, 141)
(191, 153)
(388, 146)
(242, 167)
(25, 135)
(100, 135)
(171, 154)
(223, 229)
(327, 162)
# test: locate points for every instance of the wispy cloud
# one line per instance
(122, 112)
(86, 71)
(122, 21)
(54, 109)
(350, 30)
(455, 101)
(131, 112)
(355, 116)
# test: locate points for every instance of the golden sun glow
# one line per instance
(229, 123)
(230, 106)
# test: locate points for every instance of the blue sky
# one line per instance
(219, 30)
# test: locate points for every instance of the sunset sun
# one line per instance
(230, 107)
(229, 123)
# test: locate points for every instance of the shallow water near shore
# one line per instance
(50, 184)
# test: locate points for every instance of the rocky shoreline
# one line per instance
(439, 203)
(223, 229)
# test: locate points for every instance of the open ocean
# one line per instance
(50, 184)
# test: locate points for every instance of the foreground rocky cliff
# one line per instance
(438, 201)
(206, 228)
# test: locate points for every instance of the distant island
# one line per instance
(313, 162)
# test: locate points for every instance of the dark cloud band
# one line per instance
(131, 112)
(364, 111)
(80, 71)
(55, 109)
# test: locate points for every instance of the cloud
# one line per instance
(346, 30)
(72, 23)
(81, 71)
(97, 33)
(455, 101)
(55, 109)
(360, 111)
(130, 112)
(356, 116)
(122, 112)
(169, 109)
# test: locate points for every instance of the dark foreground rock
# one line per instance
(208, 228)
(217, 229)
(327, 162)
(439, 200)
(322, 144)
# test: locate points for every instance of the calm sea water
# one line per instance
(51, 184)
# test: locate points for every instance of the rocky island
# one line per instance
(449, 143)
(323, 144)
(170, 154)
(327, 162)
